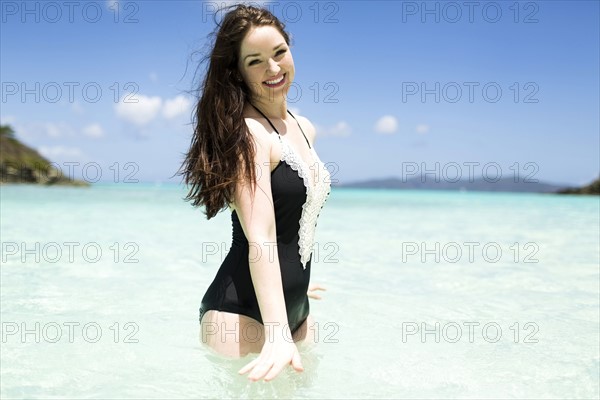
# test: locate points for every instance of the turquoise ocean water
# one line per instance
(429, 295)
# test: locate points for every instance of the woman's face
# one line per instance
(265, 58)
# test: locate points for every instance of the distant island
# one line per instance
(482, 185)
(22, 164)
(592, 188)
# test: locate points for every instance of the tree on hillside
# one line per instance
(7, 131)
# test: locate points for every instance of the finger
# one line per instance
(274, 371)
(317, 286)
(248, 366)
(314, 296)
(297, 362)
(260, 370)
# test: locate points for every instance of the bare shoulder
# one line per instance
(262, 146)
(258, 131)
(308, 127)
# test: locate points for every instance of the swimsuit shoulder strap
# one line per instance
(273, 126)
(307, 142)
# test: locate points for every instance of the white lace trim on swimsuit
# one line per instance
(316, 195)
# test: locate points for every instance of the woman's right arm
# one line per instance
(257, 217)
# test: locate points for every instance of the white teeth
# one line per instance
(274, 82)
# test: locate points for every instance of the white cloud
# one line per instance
(423, 128)
(53, 129)
(35, 130)
(112, 4)
(340, 129)
(60, 152)
(7, 119)
(386, 124)
(227, 3)
(294, 110)
(94, 131)
(176, 106)
(138, 109)
(32, 131)
(77, 108)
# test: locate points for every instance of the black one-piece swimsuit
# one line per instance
(299, 193)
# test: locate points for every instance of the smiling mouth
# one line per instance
(275, 82)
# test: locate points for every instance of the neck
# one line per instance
(271, 108)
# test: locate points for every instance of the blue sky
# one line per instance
(367, 76)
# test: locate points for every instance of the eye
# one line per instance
(279, 52)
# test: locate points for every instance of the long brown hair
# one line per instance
(222, 151)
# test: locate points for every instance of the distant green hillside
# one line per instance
(592, 188)
(22, 164)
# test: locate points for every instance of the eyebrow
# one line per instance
(254, 55)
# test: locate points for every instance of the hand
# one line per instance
(274, 356)
(312, 289)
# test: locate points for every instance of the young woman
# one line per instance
(250, 154)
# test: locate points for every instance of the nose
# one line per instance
(273, 66)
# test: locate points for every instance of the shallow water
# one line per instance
(509, 309)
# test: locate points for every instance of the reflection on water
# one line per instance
(227, 382)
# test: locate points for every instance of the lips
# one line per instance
(275, 82)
